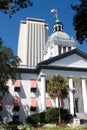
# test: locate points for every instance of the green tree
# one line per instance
(12, 6)
(80, 20)
(8, 66)
(58, 88)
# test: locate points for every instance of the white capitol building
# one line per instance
(42, 58)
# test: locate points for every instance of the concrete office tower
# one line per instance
(33, 35)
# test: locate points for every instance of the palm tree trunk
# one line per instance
(59, 111)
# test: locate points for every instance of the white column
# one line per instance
(61, 49)
(66, 49)
(43, 93)
(57, 102)
(84, 94)
(71, 95)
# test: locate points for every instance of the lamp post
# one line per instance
(73, 91)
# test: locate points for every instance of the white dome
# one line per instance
(60, 35)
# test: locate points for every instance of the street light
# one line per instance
(73, 91)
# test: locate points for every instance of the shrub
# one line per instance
(42, 117)
(33, 119)
(52, 115)
(65, 115)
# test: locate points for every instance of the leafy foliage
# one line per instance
(49, 116)
(12, 6)
(52, 115)
(33, 119)
(80, 20)
(8, 66)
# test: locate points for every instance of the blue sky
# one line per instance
(9, 27)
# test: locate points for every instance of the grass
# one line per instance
(67, 128)
(46, 127)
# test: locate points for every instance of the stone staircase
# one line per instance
(82, 117)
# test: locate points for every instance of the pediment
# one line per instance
(73, 59)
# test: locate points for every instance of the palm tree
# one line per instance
(58, 87)
(8, 66)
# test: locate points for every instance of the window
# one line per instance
(16, 89)
(47, 81)
(69, 103)
(16, 118)
(33, 90)
(16, 108)
(1, 103)
(76, 104)
(33, 84)
(33, 104)
(0, 108)
(33, 109)
(16, 103)
(17, 85)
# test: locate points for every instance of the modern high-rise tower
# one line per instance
(33, 35)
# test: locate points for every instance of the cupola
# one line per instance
(58, 26)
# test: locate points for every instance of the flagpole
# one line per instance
(55, 13)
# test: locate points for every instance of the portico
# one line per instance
(78, 99)
(75, 75)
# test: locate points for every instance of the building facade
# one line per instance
(33, 35)
(28, 95)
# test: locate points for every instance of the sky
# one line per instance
(9, 27)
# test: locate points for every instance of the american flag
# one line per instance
(53, 10)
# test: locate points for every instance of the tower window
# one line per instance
(59, 49)
(69, 48)
(59, 28)
(64, 49)
(55, 28)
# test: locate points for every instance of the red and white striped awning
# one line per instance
(33, 84)
(33, 102)
(48, 102)
(17, 83)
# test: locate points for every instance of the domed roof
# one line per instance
(60, 35)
